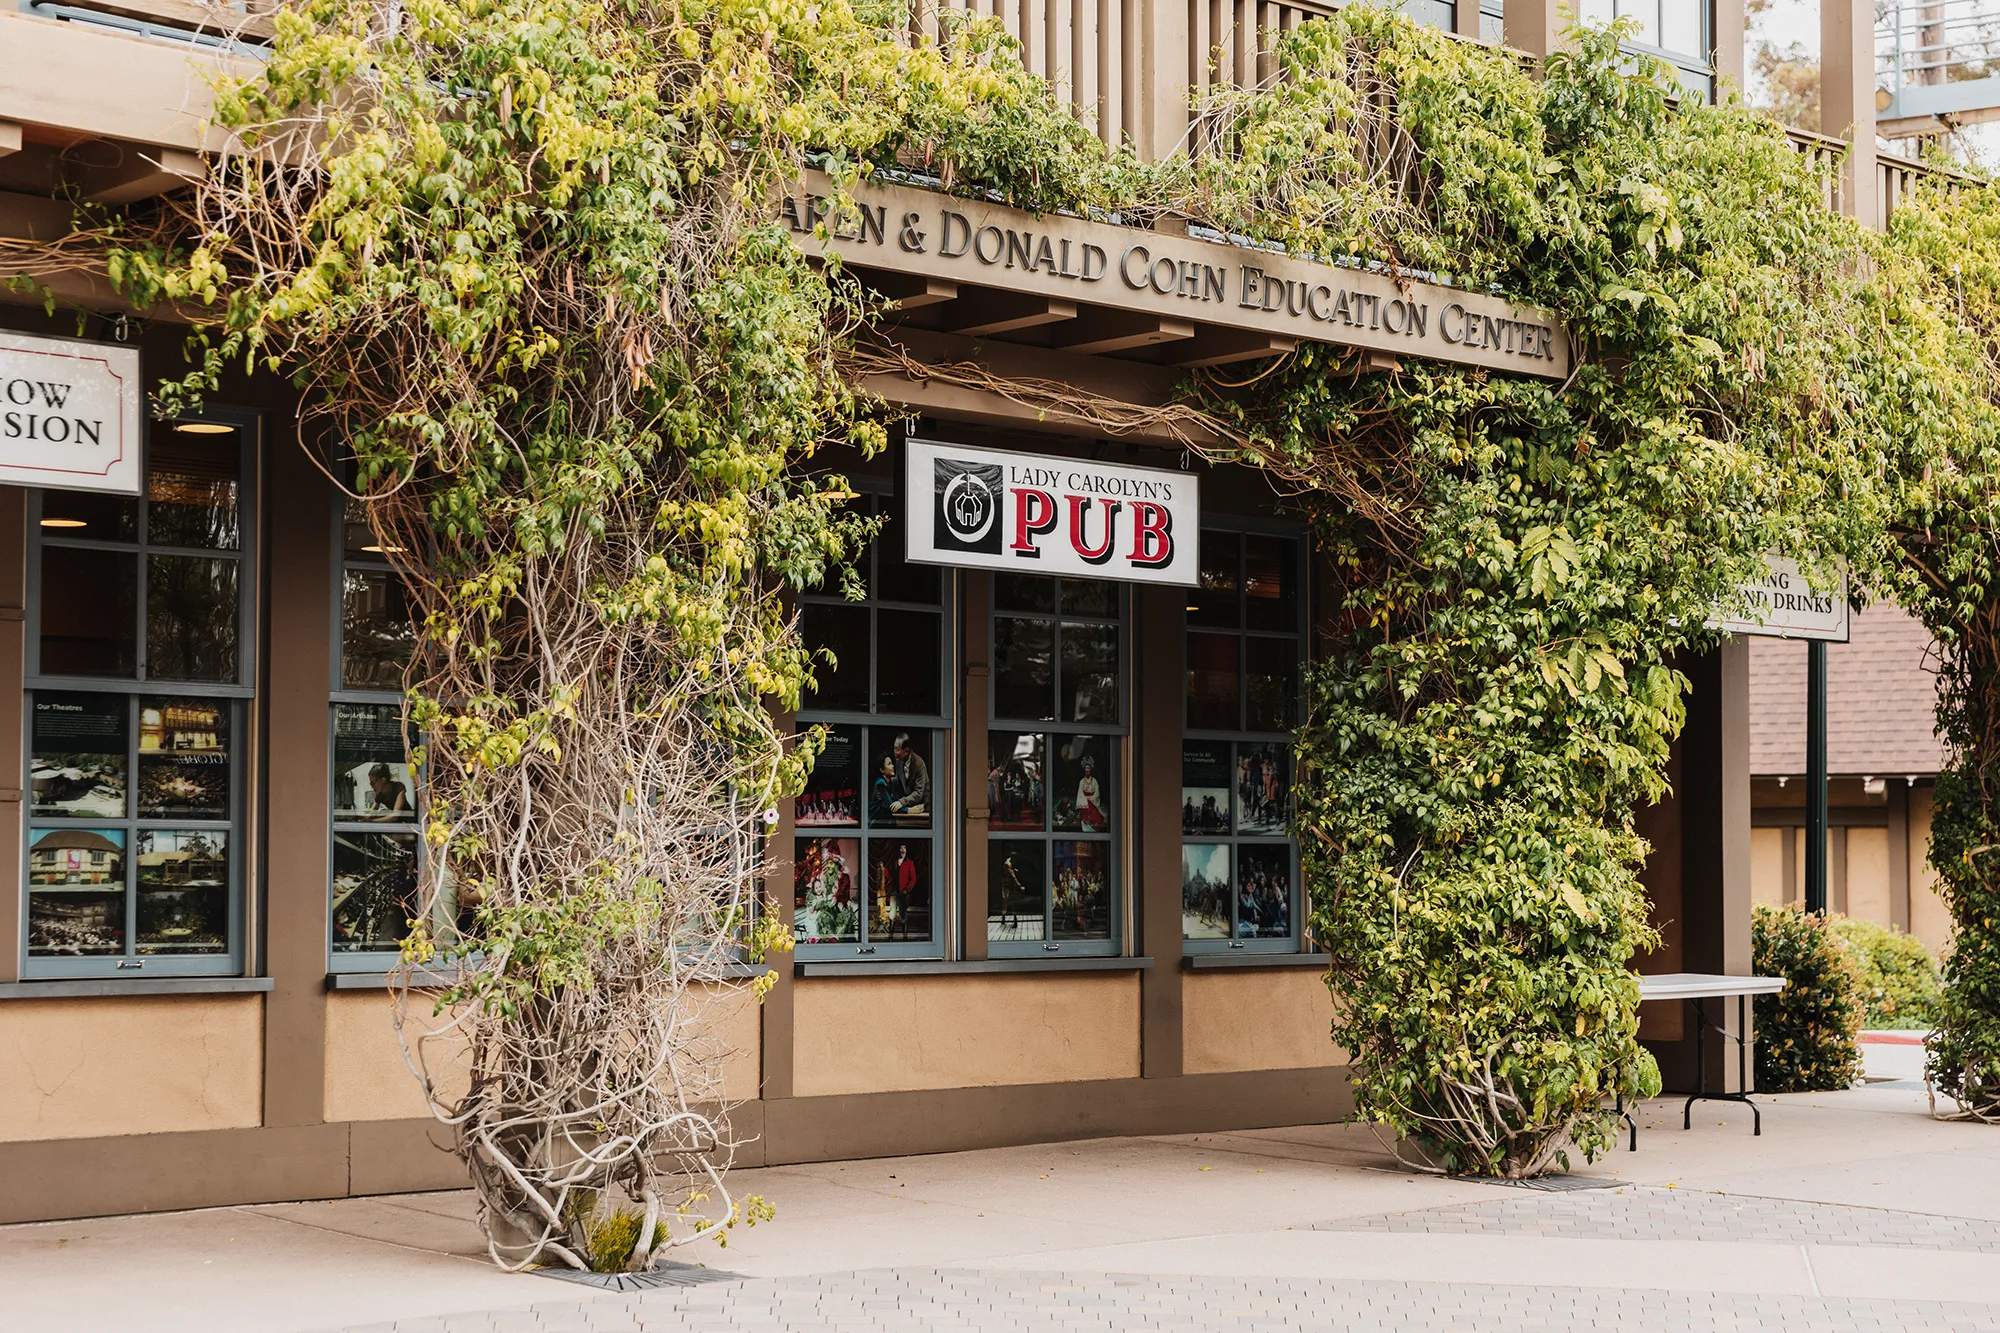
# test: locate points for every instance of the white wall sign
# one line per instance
(69, 414)
(1032, 513)
(1782, 605)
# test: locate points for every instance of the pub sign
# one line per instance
(1032, 513)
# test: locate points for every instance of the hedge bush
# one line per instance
(1808, 1033)
(1899, 978)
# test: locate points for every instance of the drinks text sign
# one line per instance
(69, 414)
(918, 232)
(1783, 605)
(1030, 513)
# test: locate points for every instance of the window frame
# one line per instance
(235, 698)
(943, 759)
(1240, 529)
(1119, 733)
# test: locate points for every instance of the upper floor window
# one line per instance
(1681, 32)
(140, 666)
(867, 860)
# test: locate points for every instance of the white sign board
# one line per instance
(1032, 513)
(69, 414)
(1782, 605)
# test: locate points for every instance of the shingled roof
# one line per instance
(1881, 697)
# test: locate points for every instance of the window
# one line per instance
(140, 646)
(1678, 31)
(1239, 861)
(1055, 778)
(373, 879)
(868, 853)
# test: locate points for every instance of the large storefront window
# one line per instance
(140, 647)
(373, 878)
(868, 859)
(1055, 750)
(1239, 861)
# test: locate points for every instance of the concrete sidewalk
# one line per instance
(1853, 1210)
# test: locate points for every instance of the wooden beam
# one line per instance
(906, 291)
(10, 137)
(144, 174)
(1221, 347)
(987, 313)
(1106, 331)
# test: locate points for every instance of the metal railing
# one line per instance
(1938, 62)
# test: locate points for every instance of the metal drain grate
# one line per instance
(665, 1275)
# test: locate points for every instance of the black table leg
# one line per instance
(1701, 1092)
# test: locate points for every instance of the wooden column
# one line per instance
(13, 669)
(975, 595)
(1728, 53)
(1535, 26)
(1466, 19)
(1899, 853)
(1157, 717)
(1715, 831)
(777, 1036)
(1847, 98)
(1163, 43)
(297, 505)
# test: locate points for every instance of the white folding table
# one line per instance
(1701, 987)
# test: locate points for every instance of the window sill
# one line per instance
(444, 980)
(75, 987)
(938, 967)
(1202, 962)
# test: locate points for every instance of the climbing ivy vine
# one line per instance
(517, 255)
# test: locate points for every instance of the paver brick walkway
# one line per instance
(1650, 1213)
(927, 1299)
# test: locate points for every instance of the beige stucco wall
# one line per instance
(900, 1034)
(1767, 865)
(368, 1079)
(1930, 919)
(147, 1064)
(1868, 875)
(1258, 1019)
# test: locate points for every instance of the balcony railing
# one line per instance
(1896, 177)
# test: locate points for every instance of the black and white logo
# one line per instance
(968, 506)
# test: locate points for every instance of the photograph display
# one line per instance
(832, 798)
(1264, 787)
(1016, 889)
(1081, 889)
(1084, 784)
(183, 758)
(1205, 890)
(1263, 891)
(371, 774)
(80, 743)
(1205, 787)
(374, 890)
(76, 899)
(826, 889)
(899, 890)
(183, 905)
(1015, 794)
(899, 785)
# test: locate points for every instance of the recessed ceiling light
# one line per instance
(203, 428)
(384, 550)
(64, 523)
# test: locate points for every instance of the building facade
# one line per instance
(1044, 883)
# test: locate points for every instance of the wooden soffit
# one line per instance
(1073, 284)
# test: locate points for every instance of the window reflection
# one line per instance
(1023, 668)
(190, 618)
(378, 634)
(191, 490)
(843, 632)
(89, 612)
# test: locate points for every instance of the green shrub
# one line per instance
(1899, 980)
(1807, 1034)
